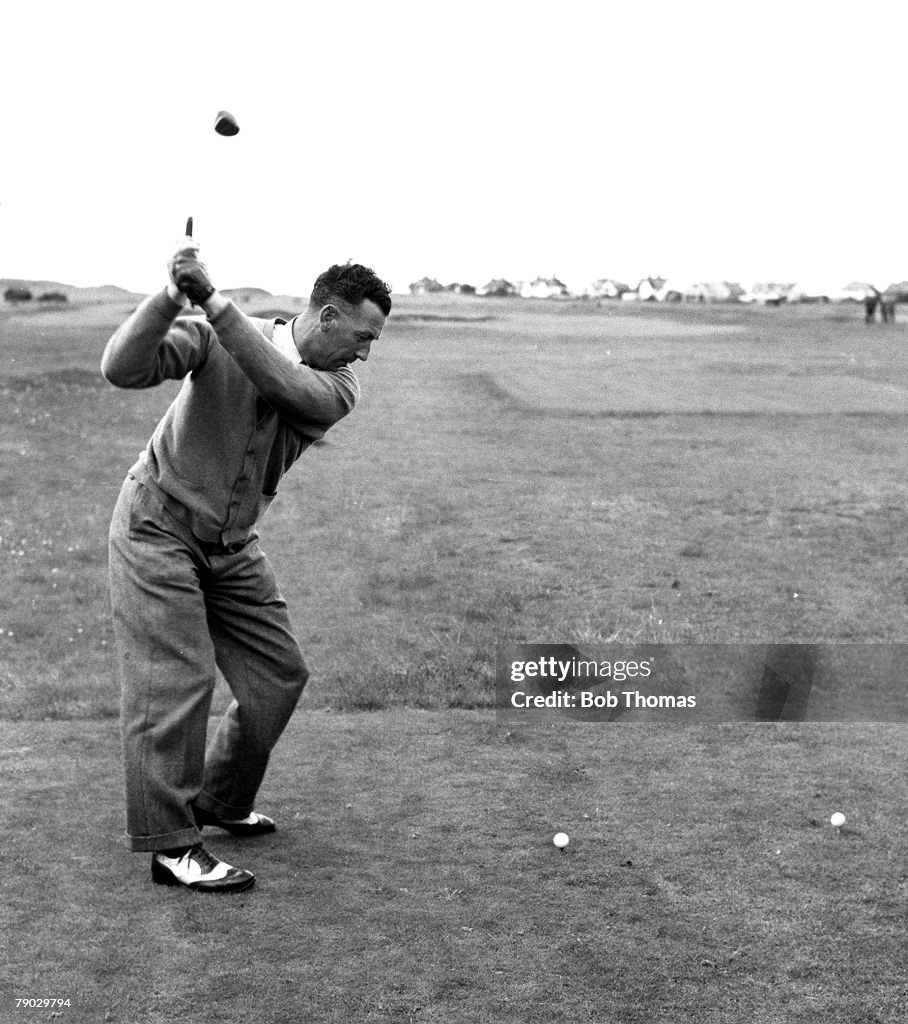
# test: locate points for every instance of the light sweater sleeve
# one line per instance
(302, 396)
(155, 344)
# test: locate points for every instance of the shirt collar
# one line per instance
(282, 340)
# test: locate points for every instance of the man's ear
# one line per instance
(328, 316)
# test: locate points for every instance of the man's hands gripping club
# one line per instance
(188, 275)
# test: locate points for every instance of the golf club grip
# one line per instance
(189, 227)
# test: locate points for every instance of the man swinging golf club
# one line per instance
(190, 586)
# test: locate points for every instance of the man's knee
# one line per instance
(286, 671)
(299, 678)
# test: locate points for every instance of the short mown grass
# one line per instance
(414, 878)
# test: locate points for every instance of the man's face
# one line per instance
(345, 333)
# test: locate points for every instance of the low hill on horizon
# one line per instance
(245, 294)
(111, 293)
(98, 293)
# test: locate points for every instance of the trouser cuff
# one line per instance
(168, 841)
(230, 812)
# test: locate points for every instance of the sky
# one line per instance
(744, 141)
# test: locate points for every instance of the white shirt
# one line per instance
(282, 339)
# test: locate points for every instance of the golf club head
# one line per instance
(225, 123)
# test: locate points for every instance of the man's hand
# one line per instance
(188, 275)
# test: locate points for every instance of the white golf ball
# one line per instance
(838, 819)
(561, 840)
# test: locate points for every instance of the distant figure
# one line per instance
(887, 306)
(871, 301)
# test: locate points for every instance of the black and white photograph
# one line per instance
(454, 513)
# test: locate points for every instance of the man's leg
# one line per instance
(166, 662)
(258, 654)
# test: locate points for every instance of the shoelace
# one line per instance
(203, 858)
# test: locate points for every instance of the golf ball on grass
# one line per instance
(561, 840)
(838, 819)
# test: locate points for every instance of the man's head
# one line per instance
(346, 313)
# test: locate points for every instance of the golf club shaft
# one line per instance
(189, 227)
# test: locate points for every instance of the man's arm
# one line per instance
(152, 345)
(300, 394)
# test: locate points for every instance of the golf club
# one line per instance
(224, 124)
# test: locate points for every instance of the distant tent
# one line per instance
(425, 286)
(676, 290)
(718, 291)
(673, 290)
(766, 293)
(497, 288)
(544, 288)
(817, 291)
(897, 292)
(858, 290)
(649, 287)
(607, 288)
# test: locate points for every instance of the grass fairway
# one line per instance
(535, 471)
(515, 472)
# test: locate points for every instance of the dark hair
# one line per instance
(351, 283)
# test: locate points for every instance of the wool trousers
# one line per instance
(181, 608)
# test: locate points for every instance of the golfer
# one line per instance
(190, 586)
